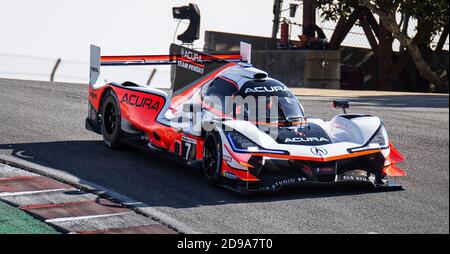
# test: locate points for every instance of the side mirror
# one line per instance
(343, 104)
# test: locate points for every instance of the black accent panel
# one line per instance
(129, 84)
(157, 137)
(177, 148)
(92, 122)
(316, 171)
(372, 163)
(344, 104)
(191, 67)
(91, 127)
(349, 117)
(308, 134)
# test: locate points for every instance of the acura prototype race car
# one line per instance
(243, 129)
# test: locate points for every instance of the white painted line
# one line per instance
(55, 220)
(11, 194)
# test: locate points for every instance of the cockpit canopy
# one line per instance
(255, 100)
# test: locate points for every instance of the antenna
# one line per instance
(191, 13)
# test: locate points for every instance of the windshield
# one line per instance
(266, 93)
(290, 107)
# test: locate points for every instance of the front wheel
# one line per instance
(212, 158)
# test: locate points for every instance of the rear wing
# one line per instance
(196, 63)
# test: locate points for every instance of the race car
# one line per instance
(244, 130)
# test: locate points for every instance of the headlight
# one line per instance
(380, 138)
(242, 144)
(378, 141)
(239, 141)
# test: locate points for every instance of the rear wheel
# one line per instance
(212, 158)
(111, 120)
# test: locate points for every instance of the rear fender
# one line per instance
(142, 107)
(96, 96)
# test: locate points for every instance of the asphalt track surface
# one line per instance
(43, 123)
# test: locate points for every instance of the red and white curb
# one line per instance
(83, 184)
(70, 209)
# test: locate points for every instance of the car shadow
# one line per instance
(151, 179)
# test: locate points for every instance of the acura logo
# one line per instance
(319, 151)
(300, 133)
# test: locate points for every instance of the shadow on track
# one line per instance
(150, 179)
(415, 101)
(393, 101)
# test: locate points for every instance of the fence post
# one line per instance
(151, 77)
(52, 76)
(277, 4)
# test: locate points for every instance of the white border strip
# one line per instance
(11, 194)
(56, 220)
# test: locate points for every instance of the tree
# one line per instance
(431, 16)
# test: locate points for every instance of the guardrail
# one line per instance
(57, 69)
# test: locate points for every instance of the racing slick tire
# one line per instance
(111, 121)
(212, 158)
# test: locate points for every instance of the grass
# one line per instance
(16, 221)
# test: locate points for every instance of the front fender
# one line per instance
(358, 129)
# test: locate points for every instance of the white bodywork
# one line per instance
(348, 134)
(354, 134)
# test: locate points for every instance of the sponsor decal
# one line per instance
(227, 158)
(357, 175)
(140, 102)
(191, 67)
(305, 139)
(231, 175)
(266, 89)
(285, 182)
(353, 178)
(300, 133)
(191, 56)
(319, 151)
(189, 140)
(191, 61)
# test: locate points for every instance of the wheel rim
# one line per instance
(110, 118)
(211, 160)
